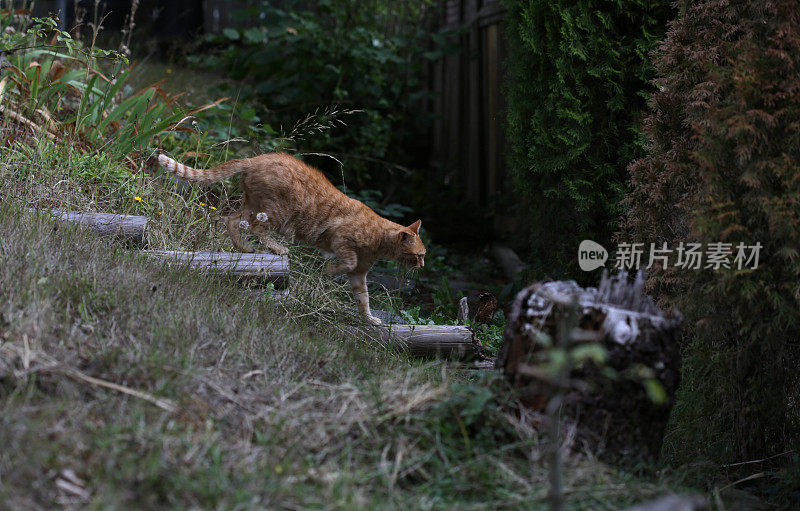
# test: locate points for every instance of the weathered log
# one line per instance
(616, 415)
(451, 341)
(267, 267)
(128, 227)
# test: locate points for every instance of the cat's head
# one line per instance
(410, 250)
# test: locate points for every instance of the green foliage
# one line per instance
(578, 72)
(490, 336)
(723, 165)
(67, 91)
(355, 63)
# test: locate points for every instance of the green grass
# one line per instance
(274, 407)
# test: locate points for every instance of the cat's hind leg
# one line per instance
(233, 223)
(263, 233)
(358, 284)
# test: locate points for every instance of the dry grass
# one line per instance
(127, 384)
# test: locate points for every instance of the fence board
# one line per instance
(469, 140)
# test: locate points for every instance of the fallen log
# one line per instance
(128, 227)
(616, 416)
(267, 267)
(451, 341)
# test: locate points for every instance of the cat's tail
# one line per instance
(227, 169)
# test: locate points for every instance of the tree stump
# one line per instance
(616, 416)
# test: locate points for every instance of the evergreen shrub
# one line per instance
(578, 76)
(723, 165)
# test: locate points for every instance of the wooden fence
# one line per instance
(468, 136)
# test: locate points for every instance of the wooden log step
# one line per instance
(451, 341)
(128, 227)
(269, 267)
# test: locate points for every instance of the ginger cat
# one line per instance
(284, 195)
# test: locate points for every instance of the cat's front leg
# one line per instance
(358, 283)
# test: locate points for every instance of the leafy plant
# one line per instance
(51, 84)
(364, 57)
(490, 336)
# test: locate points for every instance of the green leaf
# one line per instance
(254, 35)
(655, 391)
(126, 105)
(231, 33)
(594, 352)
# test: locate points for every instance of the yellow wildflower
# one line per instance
(212, 207)
(160, 212)
(169, 71)
(139, 199)
(202, 203)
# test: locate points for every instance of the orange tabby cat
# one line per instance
(284, 195)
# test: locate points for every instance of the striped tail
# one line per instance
(212, 175)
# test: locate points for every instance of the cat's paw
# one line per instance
(372, 320)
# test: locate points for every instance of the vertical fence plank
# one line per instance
(468, 138)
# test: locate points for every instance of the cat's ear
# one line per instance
(405, 236)
(415, 227)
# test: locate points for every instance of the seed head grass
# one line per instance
(127, 383)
